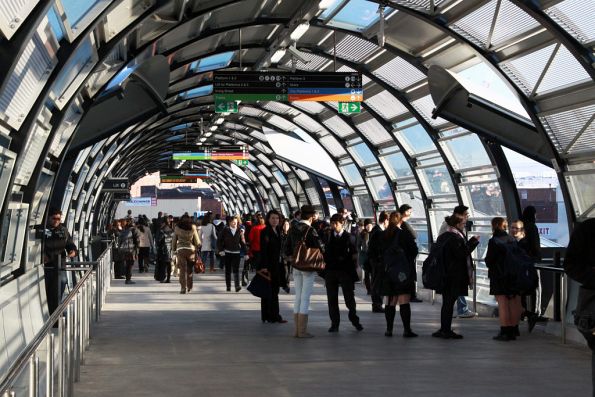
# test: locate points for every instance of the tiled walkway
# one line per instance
(152, 341)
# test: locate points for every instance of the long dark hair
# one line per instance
(185, 222)
(206, 219)
(393, 224)
(271, 213)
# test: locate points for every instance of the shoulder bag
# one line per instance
(307, 259)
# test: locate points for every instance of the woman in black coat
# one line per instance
(508, 298)
(270, 264)
(399, 253)
(458, 268)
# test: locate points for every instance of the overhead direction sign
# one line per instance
(287, 87)
(224, 106)
(228, 152)
(121, 196)
(350, 107)
(116, 185)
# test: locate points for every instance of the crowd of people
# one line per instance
(383, 253)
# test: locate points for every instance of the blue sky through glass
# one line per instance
(213, 62)
(358, 15)
(55, 24)
(198, 91)
(121, 76)
(76, 9)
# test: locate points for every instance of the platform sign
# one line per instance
(226, 106)
(121, 196)
(287, 87)
(216, 153)
(142, 202)
(350, 107)
(117, 185)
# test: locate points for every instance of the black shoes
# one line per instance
(506, 334)
(409, 334)
(238, 289)
(129, 282)
(358, 327)
(377, 309)
(388, 333)
(228, 289)
(333, 328)
(447, 335)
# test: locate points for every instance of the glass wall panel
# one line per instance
(438, 180)
(487, 200)
(363, 205)
(352, 175)
(363, 155)
(538, 185)
(380, 188)
(396, 165)
(416, 137)
(467, 152)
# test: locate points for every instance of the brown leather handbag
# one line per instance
(307, 259)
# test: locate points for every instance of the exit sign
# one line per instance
(241, 163)
(226, 106)
(350, 107)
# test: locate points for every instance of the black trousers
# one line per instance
(377, 271)
(448, 302)
(232, 263)
(333, 280)
(269, 308)
(143, 258)
(129, 265)
(55, 284)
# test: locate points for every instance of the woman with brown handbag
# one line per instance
(302, 233)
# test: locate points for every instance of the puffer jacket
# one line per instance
(185, 238)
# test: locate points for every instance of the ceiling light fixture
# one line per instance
(437, 48)
(299, 31)
(278, 55)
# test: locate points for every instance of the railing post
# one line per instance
(563, 293)
(62, 365)
(474, 289)
(49, 384)
(70, 345)
(33, 375)
(98, 291)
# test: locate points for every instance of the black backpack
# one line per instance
(434, 269)
(517, 268)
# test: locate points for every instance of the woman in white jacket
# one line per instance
(208, 237)
(146, 246)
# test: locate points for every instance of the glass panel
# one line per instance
(417, 139)
(573, 16)
(280, 177)
(363, 205)
(362, 154)
(56, 25)
(438, 180)
(357, 15)
(396, 165)
(539, 186)
(217, 61)
(380, 188)
(487, 200)
(76, 9)
(198, 91)
(467, 152)
(352, 175)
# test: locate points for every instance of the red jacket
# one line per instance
(254, 238)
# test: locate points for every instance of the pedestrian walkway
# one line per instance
(152, 341)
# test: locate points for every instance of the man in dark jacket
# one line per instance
(57, 246)
(341, 260)
(580, 266)
(375, 260)
(411, 235)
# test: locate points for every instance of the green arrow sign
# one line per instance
(350, 107)
(241, 163)
(226, 106)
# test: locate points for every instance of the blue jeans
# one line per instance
(208, 256)
(304, 283)
(462, 305)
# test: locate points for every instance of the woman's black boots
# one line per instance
(389, 314)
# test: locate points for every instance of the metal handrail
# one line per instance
(563, 293)
(74, 317)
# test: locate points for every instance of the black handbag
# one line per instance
(584, 315)
(260, 286)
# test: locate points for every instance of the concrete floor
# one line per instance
(152, 341)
